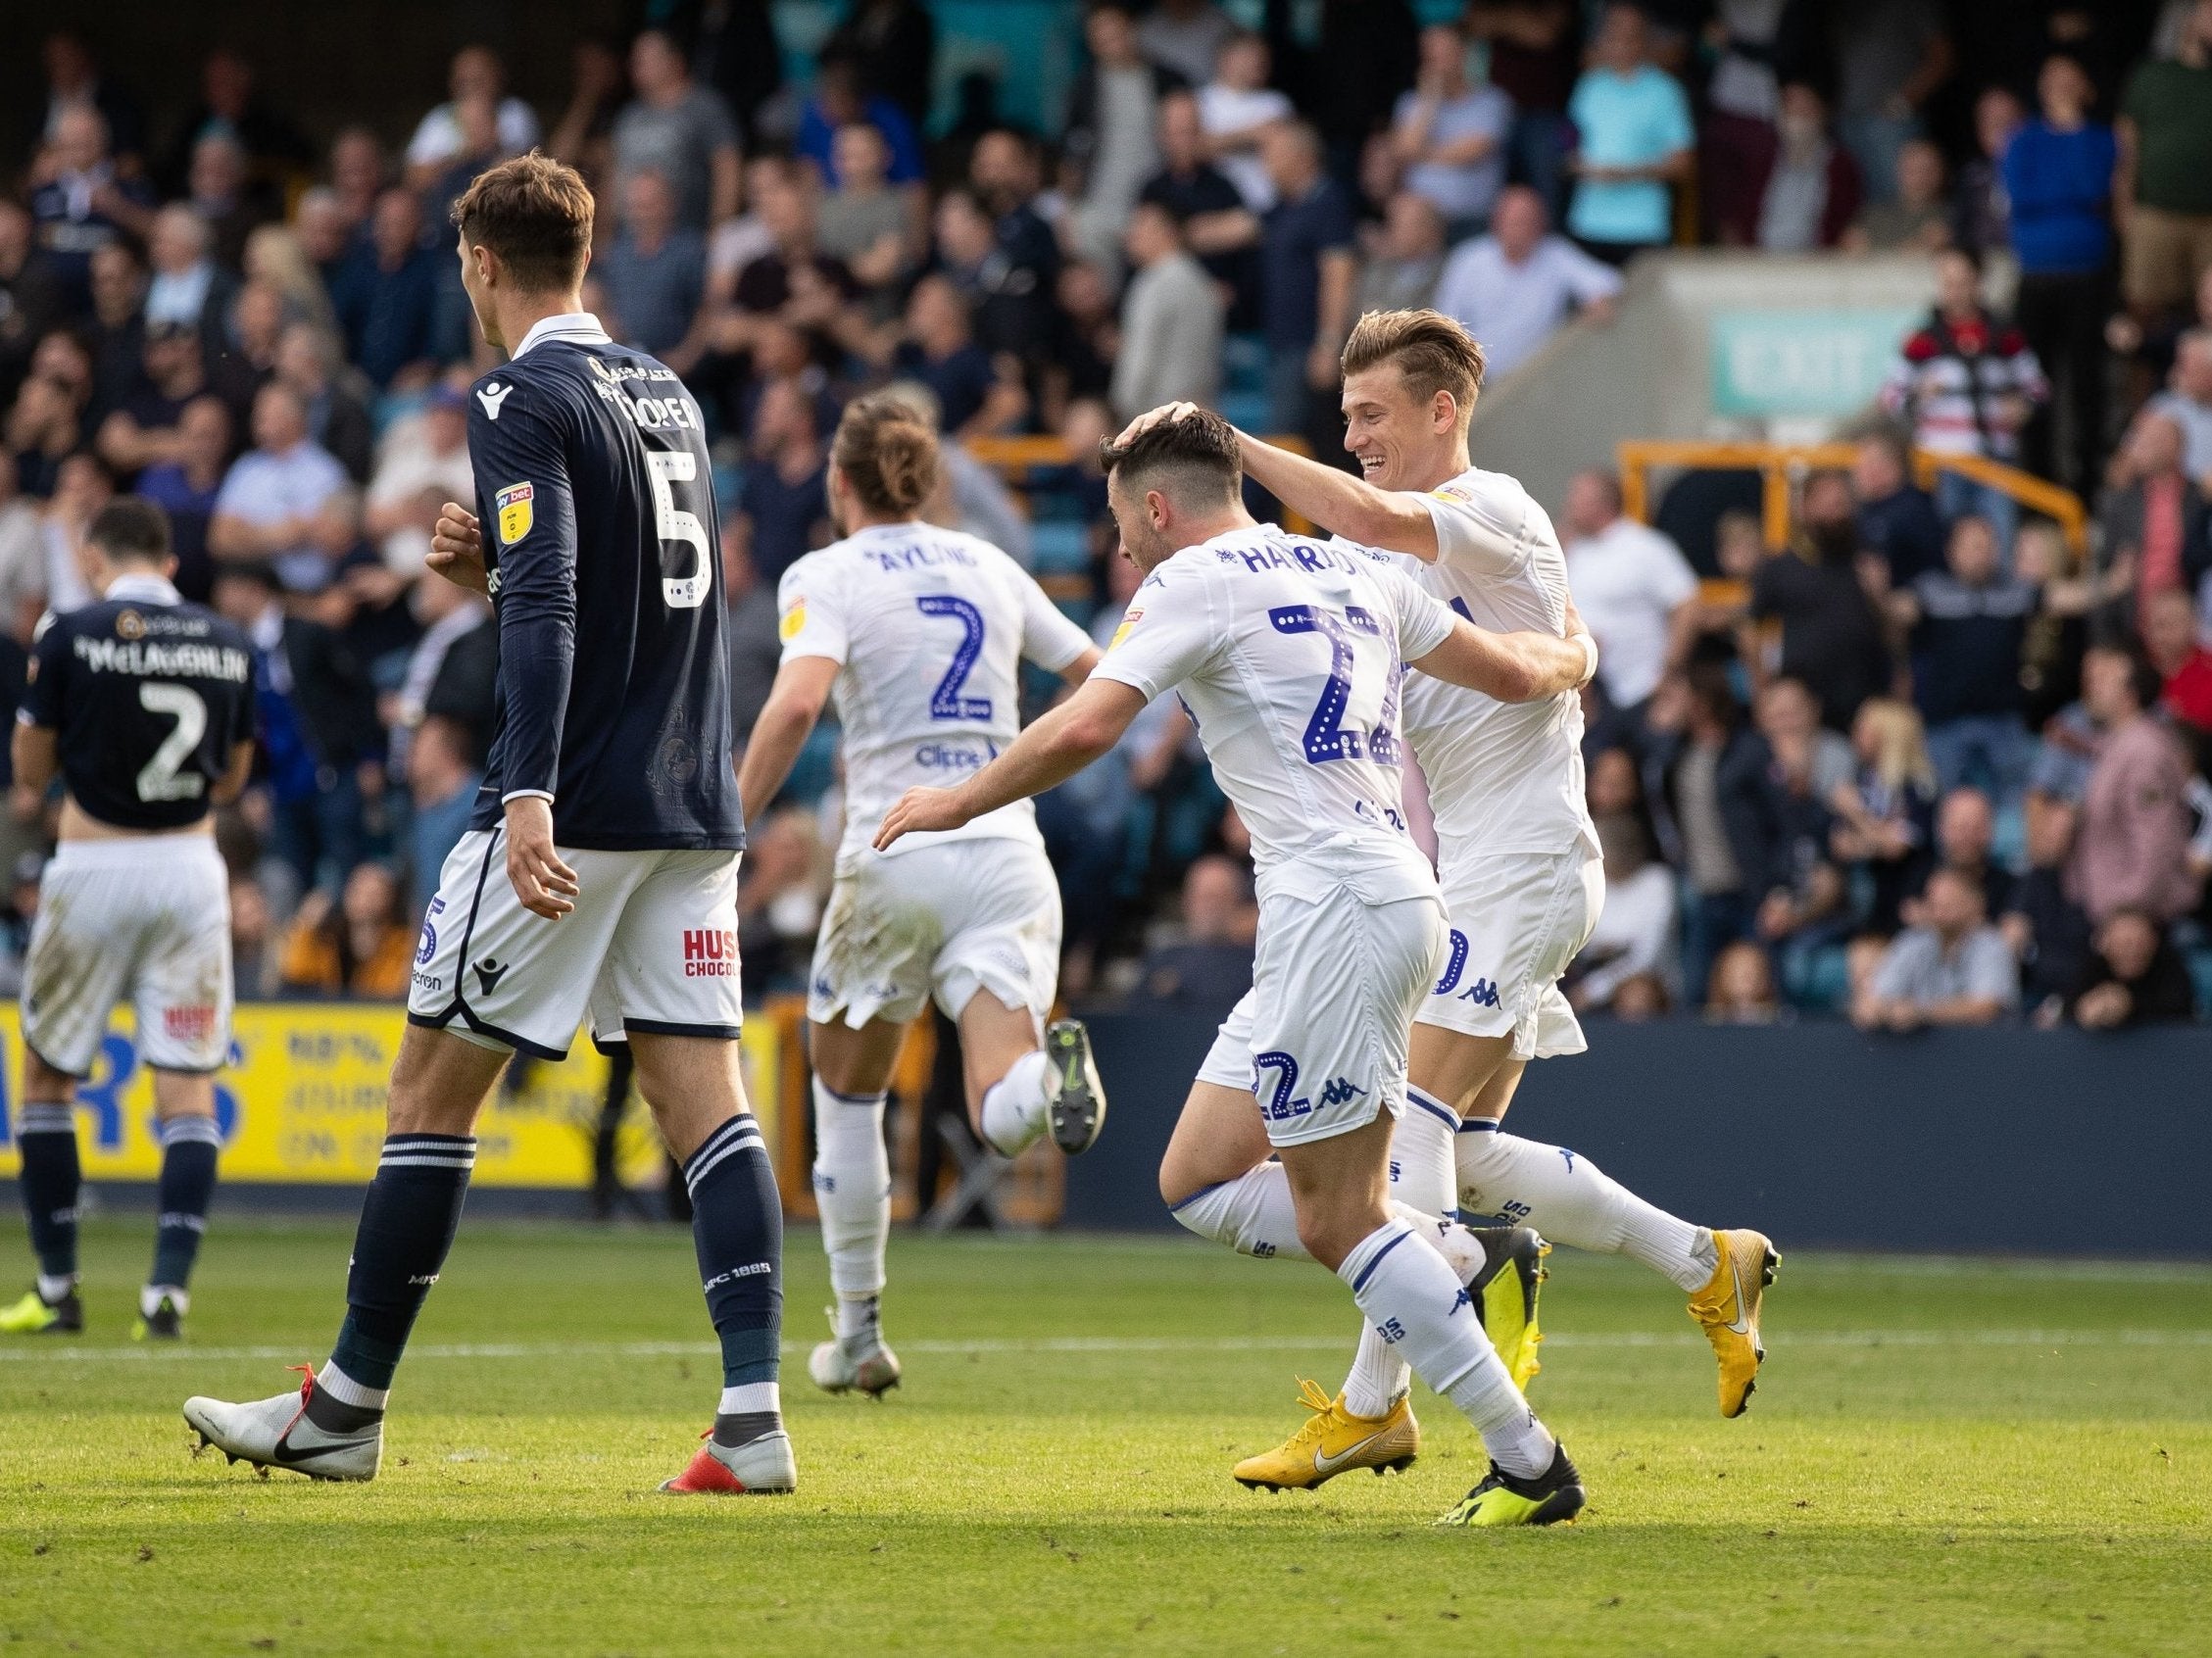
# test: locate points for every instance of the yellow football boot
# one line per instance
(1332, 1441)
(1728, 1310)
(34, 1315)
(1504, 1291)
(1507, 1499)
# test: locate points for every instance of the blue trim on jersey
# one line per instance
(1368, 1271)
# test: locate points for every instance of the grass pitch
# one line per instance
(1942, 1456)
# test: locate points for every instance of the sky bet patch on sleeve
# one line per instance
(512, 505)
(1122, 632)
(794, 619)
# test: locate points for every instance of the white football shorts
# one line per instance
(945, 921)
(1320, 1038)
(146, 920)
(650, 948)
(1517, 920)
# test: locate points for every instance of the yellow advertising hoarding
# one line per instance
(303, 1101)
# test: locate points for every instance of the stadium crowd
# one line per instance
(1921, 765)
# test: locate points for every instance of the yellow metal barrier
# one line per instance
(1780, 465)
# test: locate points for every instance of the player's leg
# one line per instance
(191, 1143)
(698, 1097)
(853, 1069)
(1571, 1201)
(50, 1181)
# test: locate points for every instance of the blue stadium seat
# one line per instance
(1060, 546)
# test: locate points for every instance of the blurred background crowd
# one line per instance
(1923, 762)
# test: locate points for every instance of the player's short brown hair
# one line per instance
(1199, 453)
(887, 452)
(535, 213)
(1430, 349)
(133, 528)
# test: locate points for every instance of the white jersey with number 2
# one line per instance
(1289, 654)
(928, 627)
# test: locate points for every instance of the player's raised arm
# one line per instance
(525, 460)
(1061, 742)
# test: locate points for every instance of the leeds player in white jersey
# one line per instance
(1288, 655)
(917, 635)
(1522, 881)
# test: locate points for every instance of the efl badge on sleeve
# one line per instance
(512, 505)
(794, 621)
(1122, 632)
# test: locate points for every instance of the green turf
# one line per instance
(2024, 1465)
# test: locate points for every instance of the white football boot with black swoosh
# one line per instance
(1075, 1106)
(275, 1432)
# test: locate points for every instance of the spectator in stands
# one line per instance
(1632, 586)
(43, 429)
(22, 558)
(1736, 134)
(1402, 258)
(82, 485)
(1918, 219)
(423, 466)
(2136, 977)
(185, 485)
(2058, 175)
(1513, 287)
(1535, 57)
(2188, 402)
(893, 45)
(251, 962)
(782, 512)
(442, 781)
(841, 99)
(583, 136)
(1804, 190)
(656, 272)
(2045, 927)
(1953, 969)
(1111, 124)
(221, 194)
(682, 132)
(275, 150)
(1803, 915)
(145, 430)
(2172, 642)
(361, 947)
(1789, 718)
(1215, 225)
(1966, 383)
(2154, 524)
(356, 176)
(285, 500)
(1185, 37)
(78, 200)
(1714, 771)
(1636, 140)
(73, 81)
(1884, 820)
(476, 73)
(188, 287)
(2165, 134)
(1741, 991)
(1237, 109)
(387, 298)
(31, 296)
(1210, 966)
(1968, 625)
(863, 222)
(755, 647)
(1307, 271)
(1981, 211)
(1450, 134)
(1171, 320)
(1635, 929)
(1965, 842)
(336, 417)
(1890, 56)
(2131, 852)
(1025, 259)
(976, 393)
(1896, 520)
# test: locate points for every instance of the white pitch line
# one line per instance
(1625, 1340)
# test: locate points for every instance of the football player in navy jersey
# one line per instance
(598, 878)
(144, 705)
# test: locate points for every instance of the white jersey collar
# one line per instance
(579, 325)
(146, 589)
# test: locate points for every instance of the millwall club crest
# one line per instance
(512, 505)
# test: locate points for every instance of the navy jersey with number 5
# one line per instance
(147, 696)
(597, 509)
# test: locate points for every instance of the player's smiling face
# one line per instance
(1399, 441)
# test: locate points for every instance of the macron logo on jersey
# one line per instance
(491, 397)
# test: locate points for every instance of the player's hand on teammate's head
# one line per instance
(456, 548)
(544, 884)
(919, 811)
(1151, 418)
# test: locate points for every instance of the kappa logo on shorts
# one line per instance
(1342, 1089)
(1482, 993)
(710, 953)
(490, 971)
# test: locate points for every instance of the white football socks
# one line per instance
(1014, 1106)
(1421, 1182)
(1569, 1200)
(853, 1192)
(1413, 1300)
